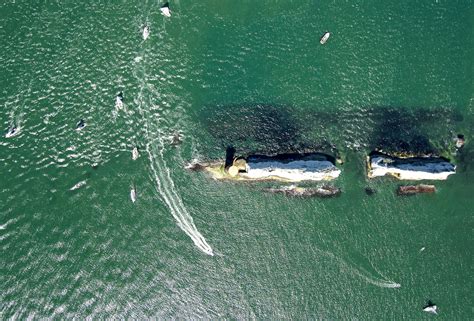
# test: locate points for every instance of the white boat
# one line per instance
(119, 101)
(81, 124)
(78, 185)
(165, 10)
(12, 132)
(146, 32)
(135, 153)
(324, 38)
(133, 194)
(431, 309)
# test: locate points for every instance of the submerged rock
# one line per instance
(370, 191)
(415, 189)
(322, 191)
(196, 167)
(460, 141)
(410, 168)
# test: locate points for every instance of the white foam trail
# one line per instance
(380, 283)
(78, 185)
(383, 283)
(169, 194)
(166, 188)
(10, 221)
(16, 118)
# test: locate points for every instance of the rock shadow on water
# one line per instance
(229, 156)
(259, 124)
(262, 128)
(271, 129)
(421, 131)
(417, 131)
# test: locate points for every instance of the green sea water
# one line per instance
(248, 74)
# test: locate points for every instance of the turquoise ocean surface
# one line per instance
(247, 74)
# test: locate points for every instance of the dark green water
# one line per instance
(251, 74)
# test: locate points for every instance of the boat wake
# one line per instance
(378, 282)
(161, 173)
(170, 195)
(382, 282)
(17, 112)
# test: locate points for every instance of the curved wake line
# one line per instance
(383, 283)
(379, 283)
(174, 203)
(167, 190)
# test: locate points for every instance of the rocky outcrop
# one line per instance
(415, 189)
(322, 191)
(287, 167)
(410, 168)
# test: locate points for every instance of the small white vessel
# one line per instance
(119, 101)
(430, 308)
(325, 38)
(78, 185)
(135, 153)
(81, 125)
(12, 132)
(146, 32)
(165, 10)
(133, 194)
